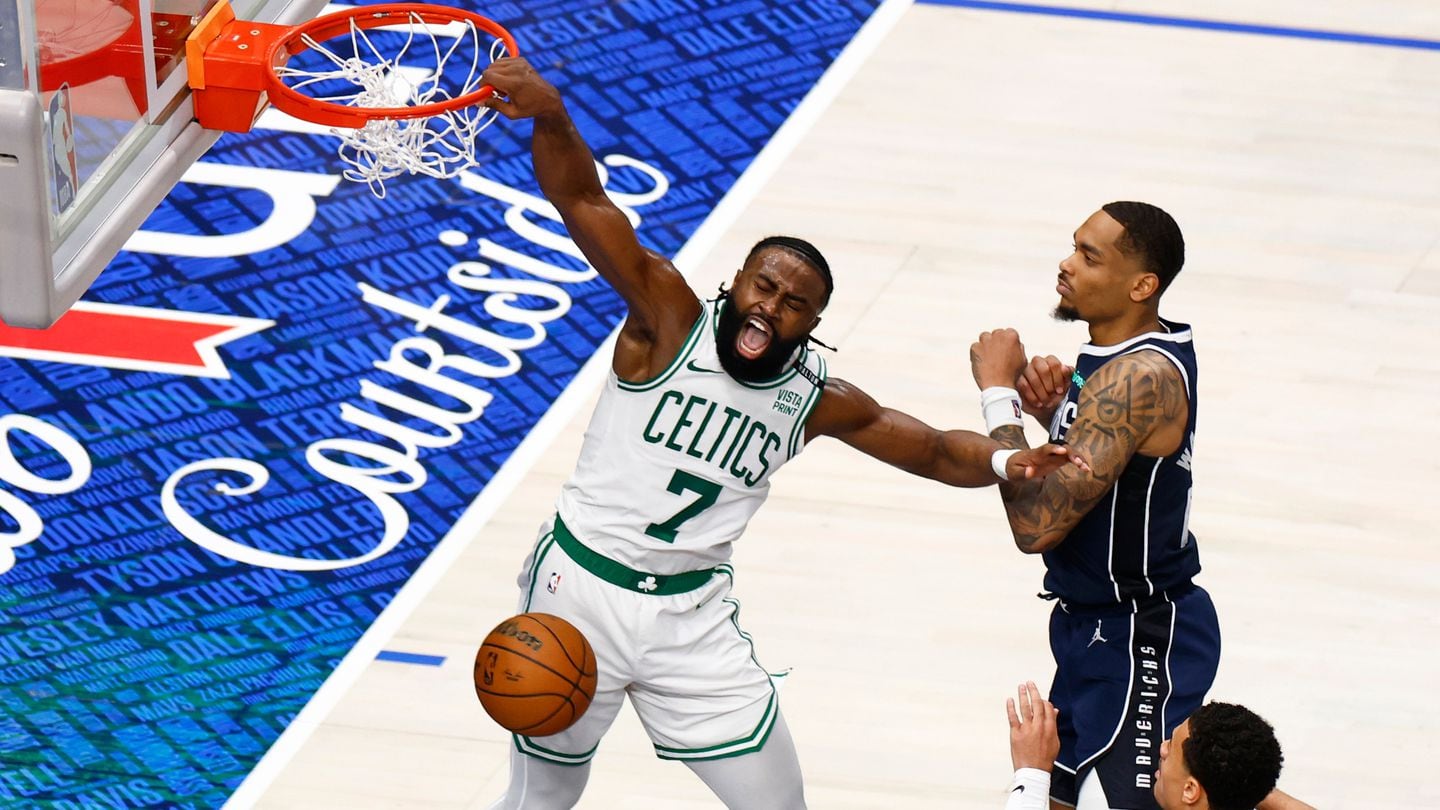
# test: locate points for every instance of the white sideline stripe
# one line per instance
(586, 381)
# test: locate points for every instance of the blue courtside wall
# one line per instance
(138, 668)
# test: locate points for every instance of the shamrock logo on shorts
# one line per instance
(647, 584)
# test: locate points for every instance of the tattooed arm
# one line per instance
(1134, 403)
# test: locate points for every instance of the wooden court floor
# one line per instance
(944, 182)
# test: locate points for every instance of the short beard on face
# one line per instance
(765, 367)
(1064, 312)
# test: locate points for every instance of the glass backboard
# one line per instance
(96, 127)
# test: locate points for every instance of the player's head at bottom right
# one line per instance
(1223, 757)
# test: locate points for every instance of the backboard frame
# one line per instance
(49, 257)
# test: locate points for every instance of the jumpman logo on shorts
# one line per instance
(1096, 637)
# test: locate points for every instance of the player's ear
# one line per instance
(1192, 794)
(1146, 286)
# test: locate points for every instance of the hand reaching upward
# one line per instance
(1034, 738)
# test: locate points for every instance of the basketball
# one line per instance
(535, 674)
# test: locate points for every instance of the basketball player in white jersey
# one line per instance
(704, 402)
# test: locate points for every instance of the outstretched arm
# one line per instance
(959, 458)
(1131, 401)
(662, 307)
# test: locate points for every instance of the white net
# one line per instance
(401, 65)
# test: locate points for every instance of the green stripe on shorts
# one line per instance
(527, 746)
(748, 744)
(546, 543)
(624, 576)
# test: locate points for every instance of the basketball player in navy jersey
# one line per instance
(1136, 642)
(1223, 757)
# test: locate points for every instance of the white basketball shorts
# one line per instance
(674, 644)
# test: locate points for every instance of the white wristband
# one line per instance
(998, 460)
(1029, 790)
(1001, 407)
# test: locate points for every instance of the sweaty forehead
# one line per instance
(789, 269)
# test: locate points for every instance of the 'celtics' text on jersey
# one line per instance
(673, 468)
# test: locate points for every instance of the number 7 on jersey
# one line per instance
(680, 483)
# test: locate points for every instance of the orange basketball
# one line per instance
(535, 674)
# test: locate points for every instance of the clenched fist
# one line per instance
(997, 358)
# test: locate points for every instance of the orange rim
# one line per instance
(320, 29)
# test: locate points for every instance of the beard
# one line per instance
(1065, 312)
(765, 367)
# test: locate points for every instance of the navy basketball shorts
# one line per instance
(1124, 679)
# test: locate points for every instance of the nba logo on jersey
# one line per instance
(554, 584)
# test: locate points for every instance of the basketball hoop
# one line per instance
(399, 83)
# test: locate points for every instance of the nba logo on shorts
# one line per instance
(554, 584)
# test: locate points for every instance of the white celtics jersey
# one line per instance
(673, 468)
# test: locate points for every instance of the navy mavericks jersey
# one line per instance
(1136, 541)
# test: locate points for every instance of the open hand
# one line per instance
(1034, 736)
(1038, 462)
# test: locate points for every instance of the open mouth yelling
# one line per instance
(754, 338)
